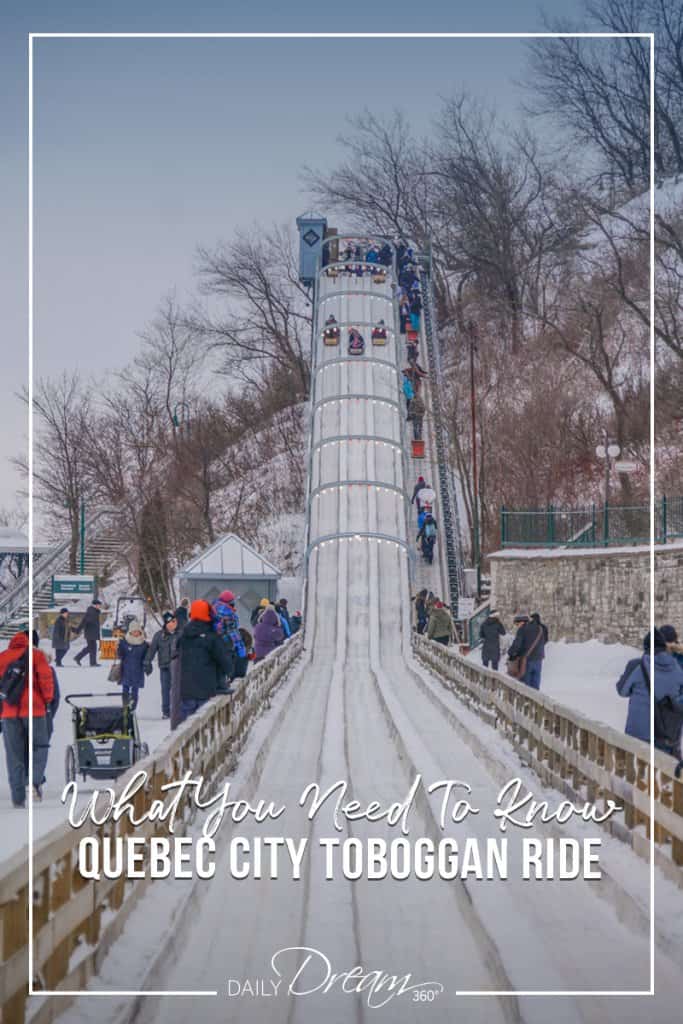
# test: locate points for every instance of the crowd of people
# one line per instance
(359, 258)
(433, 618)
(200, 649)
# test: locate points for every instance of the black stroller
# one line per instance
(106, 739)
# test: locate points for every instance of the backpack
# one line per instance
(668, 720)
(430, 530)
(13, 680)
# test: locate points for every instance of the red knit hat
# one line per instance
(200, 610)
(227, 597)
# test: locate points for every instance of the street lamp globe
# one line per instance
(601, 451)
(613, 450)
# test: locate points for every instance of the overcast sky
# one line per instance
(145, 148)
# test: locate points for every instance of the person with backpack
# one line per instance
(15, 716)
(162, 648)
(227, 624)
(660, 673)
(427, 536)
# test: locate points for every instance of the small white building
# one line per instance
(230, 564)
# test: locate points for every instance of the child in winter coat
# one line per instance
(226, 623)
(132, 653)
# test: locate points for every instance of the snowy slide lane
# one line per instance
(360, 708)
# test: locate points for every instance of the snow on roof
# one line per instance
(229, 556)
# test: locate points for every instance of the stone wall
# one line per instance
(597, 593)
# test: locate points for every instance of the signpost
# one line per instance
(466, 606)
(73, 592)
(625, 466)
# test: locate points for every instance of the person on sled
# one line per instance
(356, 343)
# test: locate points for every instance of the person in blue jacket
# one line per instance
(657, 673)
(132, 652)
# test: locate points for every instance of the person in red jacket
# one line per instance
(15, 722)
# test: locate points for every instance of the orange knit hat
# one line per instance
(201, 610)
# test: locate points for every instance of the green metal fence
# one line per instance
(590, 526)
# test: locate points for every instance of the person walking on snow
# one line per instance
(61, 635)
(492, 629)
(15, 716)
(415, 310)
(426, 497)
(440, 626)
(408, 391)
(416, 490)
(204, 660)
(163, 648)
(662, 675)
(427, 535)
(89, 626)
(421, 612)
(529, 643)
(417, 412)
(132, 653)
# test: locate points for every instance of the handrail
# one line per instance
(449, 499)
(43, 570)
(579, 757)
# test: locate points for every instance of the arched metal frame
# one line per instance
(358, 395)
(344, 438)
(378, 485)
(345, 359)
(331, 538)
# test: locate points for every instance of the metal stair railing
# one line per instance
(450, 514)
(47, 566)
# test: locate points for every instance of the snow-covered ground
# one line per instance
(72, 679)
(583, 676)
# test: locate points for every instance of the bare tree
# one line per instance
(380, 185)
(267, 319)
(61, 478)
(600, 88)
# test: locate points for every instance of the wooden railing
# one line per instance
(76, 920)
(583, 759)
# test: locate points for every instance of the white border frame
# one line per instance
(337, 35)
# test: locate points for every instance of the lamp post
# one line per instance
(607, 451)
(82, 536)
(476, 553)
